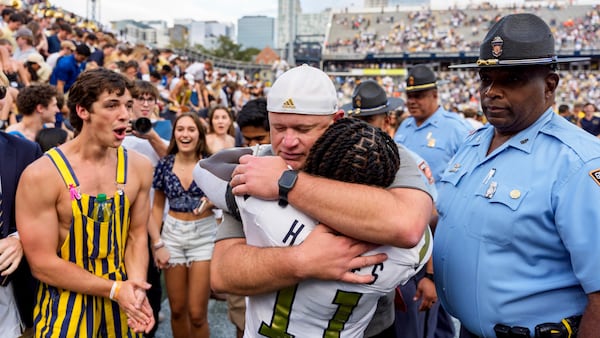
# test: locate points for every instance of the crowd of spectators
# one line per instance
(576, 28)
(47, 45)
(43, 50)
(38, 42)
(458, 89)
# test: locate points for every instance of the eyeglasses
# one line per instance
(148, 100)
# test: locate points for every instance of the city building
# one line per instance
(256, 32)
(205, 33)
(136, 32)
(286, 17)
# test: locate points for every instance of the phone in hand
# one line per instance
(201, 208)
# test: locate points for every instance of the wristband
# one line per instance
(116, 296)
(158, 245)
(114, 290)
(429, 276)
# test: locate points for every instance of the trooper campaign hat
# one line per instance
(420, 78)
(518, 40)
(369, 99)
(303, 90)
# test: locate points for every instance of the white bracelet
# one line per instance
(158, 244)
(15, 234)
(113, 289)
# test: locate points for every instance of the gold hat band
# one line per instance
(423, 86)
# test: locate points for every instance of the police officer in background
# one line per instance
(371, 104)
(430, 130)
(517, 239)
(435, 134)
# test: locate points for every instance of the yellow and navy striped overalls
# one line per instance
(96, 247)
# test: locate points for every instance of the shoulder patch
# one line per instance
(424, 167)
(596, 175)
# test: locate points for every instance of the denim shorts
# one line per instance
(189, 241)
(10, 321)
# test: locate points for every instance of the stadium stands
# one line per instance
(403, 37)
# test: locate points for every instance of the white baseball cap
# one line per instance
(189, 78)
(303, 90)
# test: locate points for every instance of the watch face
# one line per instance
(286, 183)
(288, 178)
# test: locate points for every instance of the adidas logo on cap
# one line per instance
(289, 104)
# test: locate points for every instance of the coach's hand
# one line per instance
(325, 254)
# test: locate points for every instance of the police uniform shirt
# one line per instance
(436, 139)
(518, 232)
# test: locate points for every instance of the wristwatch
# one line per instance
(286, 183)
(429, 276)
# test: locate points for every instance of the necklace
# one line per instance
(182, 165)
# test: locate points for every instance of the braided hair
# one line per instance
(354, 151)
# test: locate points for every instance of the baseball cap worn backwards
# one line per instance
(303, 90)
(189, 78)
(522, 39)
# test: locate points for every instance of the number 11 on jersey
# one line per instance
(346, 302)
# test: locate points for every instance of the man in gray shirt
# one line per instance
(302, 104)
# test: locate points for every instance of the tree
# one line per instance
(228, 49)
(248, 54)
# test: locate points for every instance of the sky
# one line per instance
(201, 10)
(228, 11)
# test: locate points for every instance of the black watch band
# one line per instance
(429, 276)
(286, 183)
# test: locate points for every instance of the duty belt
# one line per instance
(566, 328)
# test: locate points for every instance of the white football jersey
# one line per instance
(316, 308)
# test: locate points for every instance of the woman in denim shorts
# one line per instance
(184, 246)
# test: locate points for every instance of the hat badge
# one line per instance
(358, 101)
(411, 81)
(497, 44)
